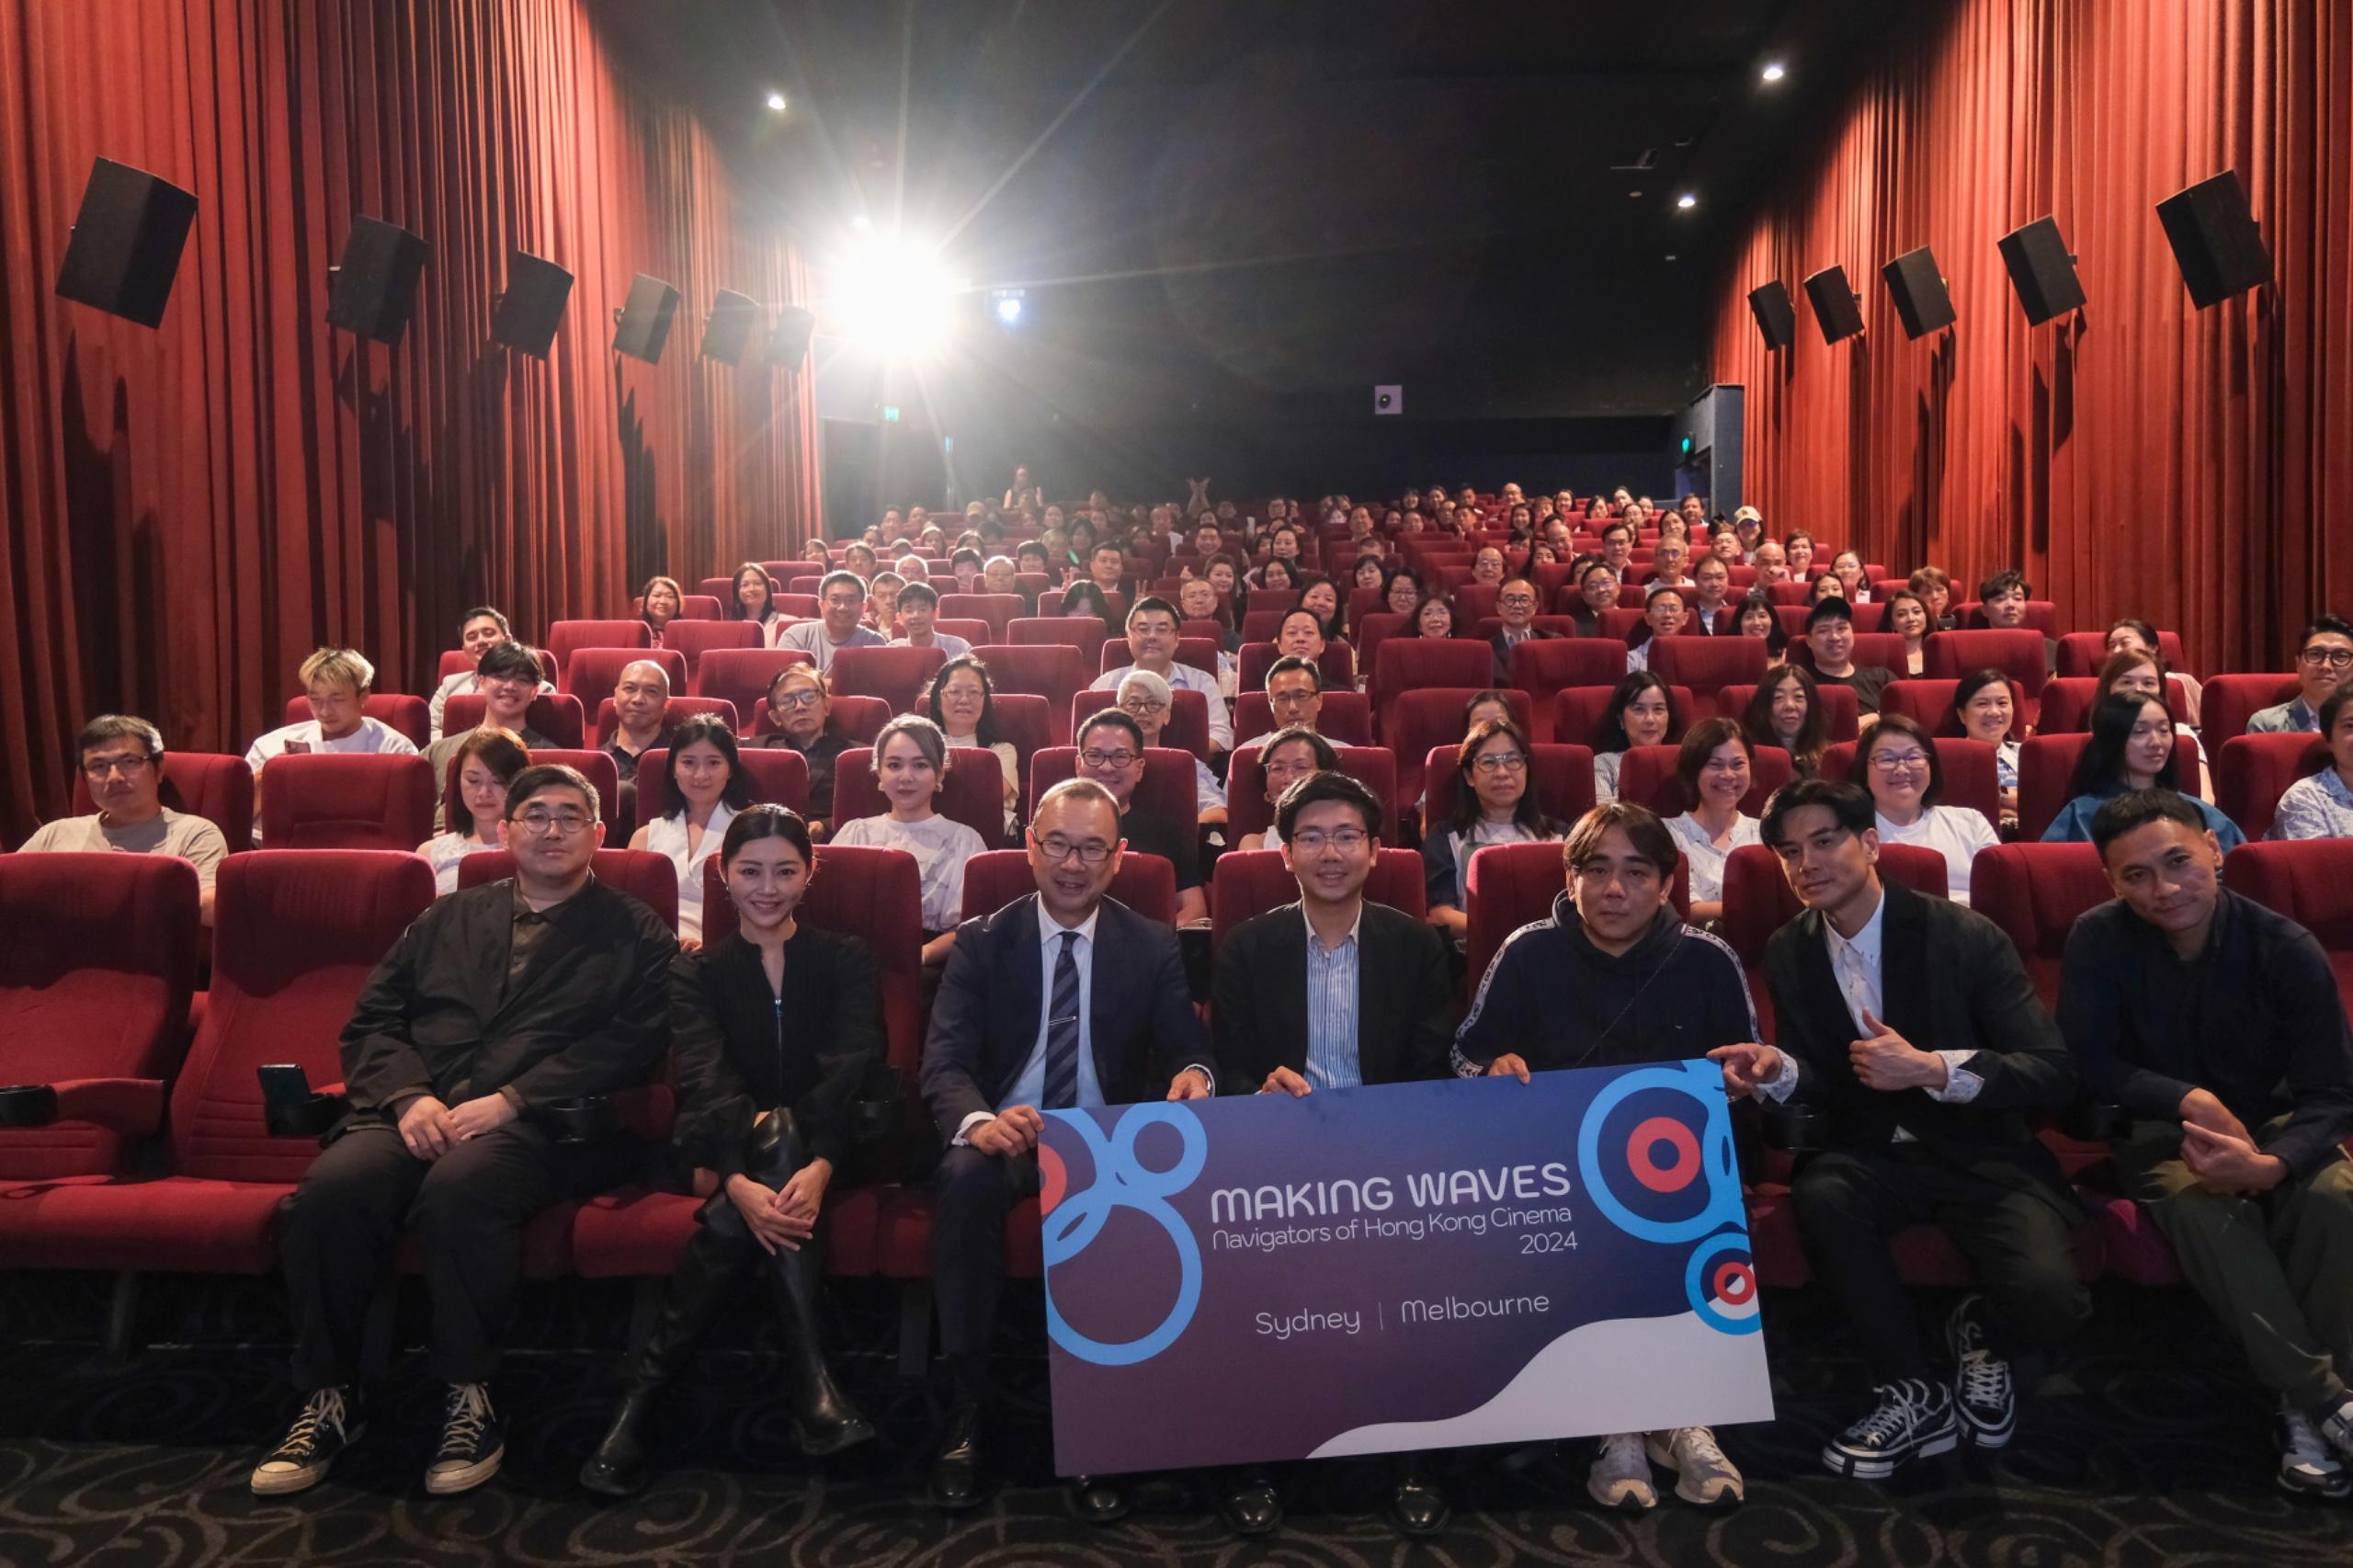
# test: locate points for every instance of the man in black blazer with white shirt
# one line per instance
(1061, 1000)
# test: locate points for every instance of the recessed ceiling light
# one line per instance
(1773, 72)
(1686, 200)
(1634, 196)
(776, 103)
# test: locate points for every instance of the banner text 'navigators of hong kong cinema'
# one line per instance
(1409, 1266)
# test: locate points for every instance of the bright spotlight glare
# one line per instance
(1774, 73)
(776, 103)
(1009, 310)
(893, 296)
(1686, 200)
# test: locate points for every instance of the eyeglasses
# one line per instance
(538, 819)
(1109, 758)
(1500, 762)
(1517, 601)
(2335, 658)
(97, 768)
(1290, 698)
(797, 700)
(1143, 705)
(1898, 761)
(1090, 852)
(1348, 840)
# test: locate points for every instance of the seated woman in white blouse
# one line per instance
(1899, 766)
(2320, 805)
(1715, 768)
(488, 759)
(1989, 713)
(705, 786)
(911, 769)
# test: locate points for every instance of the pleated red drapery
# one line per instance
(189, 511)
(2146, 457)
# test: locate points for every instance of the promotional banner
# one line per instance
(1415, 1266)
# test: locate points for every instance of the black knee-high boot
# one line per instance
(824, 1419)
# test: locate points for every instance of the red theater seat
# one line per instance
(776, 776)
(646, 876)
(295, 934)
(999, 611)
(1647, 778)
(2034, 891)
(897, 675)
(1758, 902)
(2230, 700)
(2311, 883)
(346, 801)
(1345, 718)
(404, 715)
(2254, 771)
(1167, 789)
(1541, 668)
(1419, 664)
(1188, 717)
(557, 717)
(1024, 722)
(455, 662)
(1707, 664)
(1145, 883)
(1247, 811)
(1056, 672)
(598, 767)
(677, 712)
(1510, 885)
(1562, 776)
(691, 639)
(974, 794)
(1252, 881)
(592, 673)
(1971, 777)
(741, 676)
(2066, 706)
(98, 962)
(2082, 652)
(1428, 717)
(204, 784)
(566, 638)
(1084, 632)
(2017, 653)
(1837, 702)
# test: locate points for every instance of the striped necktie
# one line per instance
(1061, 1030)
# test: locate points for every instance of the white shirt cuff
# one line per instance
(1961, 1084)
(1783, 1083)
(964, 1129)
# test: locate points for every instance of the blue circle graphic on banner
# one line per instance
(1122, 1181)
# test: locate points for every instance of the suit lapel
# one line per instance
(1025, 991)
(1825, 1003)
(1104, 1014)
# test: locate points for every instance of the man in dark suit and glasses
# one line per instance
(1925, 1070)
(1062, 1000)
(1331, 993)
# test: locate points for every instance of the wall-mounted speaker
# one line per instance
(729, 329)
(374, 291)
(642, 326)
(2042, 271)
(1836, 309)
(532, 306)
(2214, 238)
(1776, 317)
(126, 244)
(1922, 301)
(788, 340)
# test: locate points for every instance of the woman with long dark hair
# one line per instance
(1494, 802)
(2133, 748)
(1787, 712)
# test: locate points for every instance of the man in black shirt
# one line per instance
(2216, 1025)
(499, 1005)
(1830, 635)
(1111, 752)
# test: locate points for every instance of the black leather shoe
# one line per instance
(1250, 1505)
(1097, 1500)
(1417, 1507)
(955, 1482)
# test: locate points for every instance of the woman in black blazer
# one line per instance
(772, 1033)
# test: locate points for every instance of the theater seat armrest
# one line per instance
(130, 1107)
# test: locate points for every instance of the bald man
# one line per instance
(641, 715)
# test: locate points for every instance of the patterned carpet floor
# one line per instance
(2147, 1446)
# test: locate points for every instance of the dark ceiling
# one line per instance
(1256, 209)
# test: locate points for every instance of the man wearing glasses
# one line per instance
(466, 1061)
(1294, 696)
(1064, 1000)
(1515, 604)
(1111, 752)
(2322, 664)
(1331, 993)
(122, 763)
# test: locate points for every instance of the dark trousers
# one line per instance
(975, 1193)
(467, 1209)
(1851, 1202)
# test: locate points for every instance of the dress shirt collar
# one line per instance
(1315, 943)
(1864, 945)
(1049, 927)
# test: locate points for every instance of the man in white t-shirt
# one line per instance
(122, 760)
(918, 606)
(336, 681)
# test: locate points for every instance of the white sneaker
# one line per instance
(1621, 1476)
(1702, 1474)
(1913, 1419)
(2307, 1467)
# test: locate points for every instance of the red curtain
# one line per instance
(2142, 457)
(189, 511)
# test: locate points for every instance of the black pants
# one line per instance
(1851, 1202)
(975, 1191)
(467, 1209)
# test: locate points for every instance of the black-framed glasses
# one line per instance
(1090, 851)
(1109, 758)
(96, 769)
(564, 820)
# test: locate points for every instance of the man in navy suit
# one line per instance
(1029, 1020)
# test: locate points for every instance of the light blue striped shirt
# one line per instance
(1332, 1007)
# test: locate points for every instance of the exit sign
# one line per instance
(890, 414)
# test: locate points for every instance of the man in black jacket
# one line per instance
(1616, 977)
(497, 1006)
(1331, 993)
(1063, 1000)
(2216, 1025)
(1932, 1133)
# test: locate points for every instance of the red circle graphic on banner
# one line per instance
(1662, 1130)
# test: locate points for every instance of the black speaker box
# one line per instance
(1776, 318)
(788, 343)
(729, 330)
(126, 246)
(374, 291)
(532, 307)
(1922, 303)
(644, 325)
(1836, 309)
(2215, 240)
(2042, 271)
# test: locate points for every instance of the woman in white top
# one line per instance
(1989, 713)
(1899, 766)
(964, 704)
(755, 601)
(1715, 768)
(705, 786)
(1640, 713)
(1849, 566)
(1287, 756)
(1908, 617)
(910, 767)
(1494, 802)
(488, 760)
(2320, 804)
